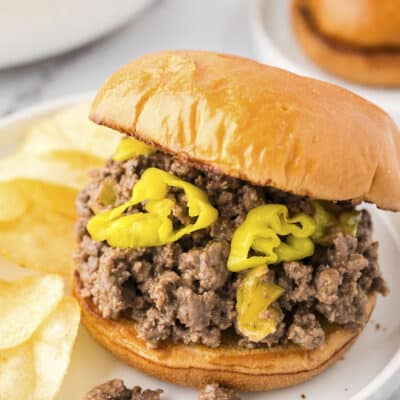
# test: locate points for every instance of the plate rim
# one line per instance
(43, 107)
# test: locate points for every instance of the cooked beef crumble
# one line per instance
(183, 291)
(111, 390)
(214, 391)
(116, 390)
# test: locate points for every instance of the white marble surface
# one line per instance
(220, 25)
(207, 24)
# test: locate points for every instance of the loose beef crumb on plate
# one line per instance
(214, 391)
(115, 389)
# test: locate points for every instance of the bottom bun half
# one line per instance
(380, 67)
(196, 365)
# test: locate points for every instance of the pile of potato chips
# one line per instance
(38, 326)
(38, 187)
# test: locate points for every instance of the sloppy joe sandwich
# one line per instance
(226, 240)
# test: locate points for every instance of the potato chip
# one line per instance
(47, 169)
(61, 149)
(18, 196)
(25, 304)
(71, 130)
(17, 377)
(12, 204)
(52, 346)
(42, 237)
(38, 188)
(35, 369)
(77, 161)
(40, 240)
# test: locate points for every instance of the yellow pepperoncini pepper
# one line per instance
(330, 219)
(254, 296)
(129, 148)
(261, 231)
(154, 227)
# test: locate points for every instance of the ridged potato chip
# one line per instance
(19, 195)
(25, 304)
(35, 369)
(41, 241)
(71, 130)
(12, 204)
(75, 160)
(42, 237)
(51, 168)
(38, 187)
(53, 345)
(17, 377)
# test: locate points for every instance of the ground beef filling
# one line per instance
(183, 292)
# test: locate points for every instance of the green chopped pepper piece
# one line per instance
(348, 221)
(330, 220)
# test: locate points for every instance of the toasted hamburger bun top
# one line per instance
(259, 123)
(229, 364)
(364, 23)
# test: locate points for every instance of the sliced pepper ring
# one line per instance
(154, 227)
(130, 148)
(261, 231)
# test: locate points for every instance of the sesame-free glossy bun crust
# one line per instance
(230, 365)
(377, 65)
(258, 123)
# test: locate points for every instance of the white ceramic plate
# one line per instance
(30, 30)
(276, 44)
(367, 371)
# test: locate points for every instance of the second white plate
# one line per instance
(276, 44)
